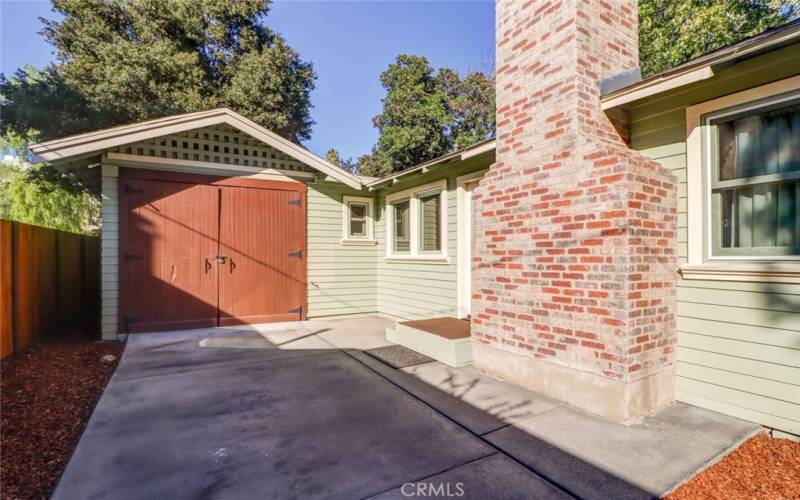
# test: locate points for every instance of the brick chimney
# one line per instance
(575, 233)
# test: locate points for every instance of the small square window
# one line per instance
(358, 220)
(357, 224)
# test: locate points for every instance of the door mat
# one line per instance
(398, 356)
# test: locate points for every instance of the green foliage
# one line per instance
(472, 101)
(125, 61)
(33, 196)
(427, 114)
(333, 156)
(39, 104)
(675, 31)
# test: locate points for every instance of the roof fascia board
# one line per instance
(122, 130)
(478, 150)
(659, 86)
(462, 155)
(48, 153)
(290, 148)
(62, 149)
(754, 46)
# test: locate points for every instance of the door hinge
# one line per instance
(129, 257)
(296, 253)
(296, 310)
(130, 189)
(296, 203)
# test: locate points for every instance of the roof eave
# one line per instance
(702, 69)
(92, 142)
(460, 155)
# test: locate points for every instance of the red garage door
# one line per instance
(204, 251)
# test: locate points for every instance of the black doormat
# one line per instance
(398, 356)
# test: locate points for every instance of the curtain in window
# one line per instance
(764, 215)
(760, 212)
(762, 144)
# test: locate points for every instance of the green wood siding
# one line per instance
(417, 290)
(738, 342)
(341, 278)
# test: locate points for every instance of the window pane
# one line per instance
(430, 224)
(358, 228)
(402, 241)
(760, 143)
(358, 211)
(763, 219)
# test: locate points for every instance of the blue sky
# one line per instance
(350, 43)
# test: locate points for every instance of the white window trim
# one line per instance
(355, 240)
(414, 254)
(700, 263)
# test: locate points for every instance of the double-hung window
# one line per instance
(357, 225)
(415, 222)
(753, 180)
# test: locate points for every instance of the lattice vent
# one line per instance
(219, 144)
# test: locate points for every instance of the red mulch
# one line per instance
(762, 467)
(47, 394)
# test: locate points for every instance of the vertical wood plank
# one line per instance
(6, 290)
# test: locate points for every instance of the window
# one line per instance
(754, 180)
(415, 223)
(402, 238)
(357, 223)
(430, 223)
(358, 220)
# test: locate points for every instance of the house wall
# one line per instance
(738, 342)
(409, 290)
(341, 278)
(109, 253)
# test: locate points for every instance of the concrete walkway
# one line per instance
(298, 411)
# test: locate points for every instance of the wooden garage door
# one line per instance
(203, 251)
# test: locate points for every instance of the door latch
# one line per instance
(221, 259)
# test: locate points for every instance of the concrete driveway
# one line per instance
(297, 411)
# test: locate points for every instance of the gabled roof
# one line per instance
(94, 142)
(702, 67)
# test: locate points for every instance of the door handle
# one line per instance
(207, 265)
(221, 259)
(232, 265)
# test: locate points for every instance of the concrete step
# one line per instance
(452, 352)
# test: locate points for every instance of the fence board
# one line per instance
(6, 287)
(49, 279)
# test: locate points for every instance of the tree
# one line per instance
(121, 62)
(26, 196)
(415, 119)
(675, 31)
(39, 104)
(427, 114)
(333, 157)
(472, 101)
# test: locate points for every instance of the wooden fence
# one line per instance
(48, 279)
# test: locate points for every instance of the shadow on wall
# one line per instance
(173, 275)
